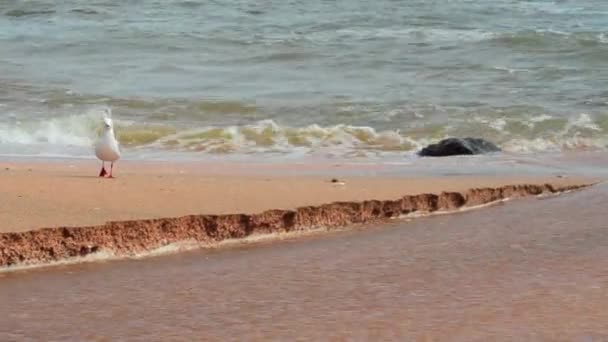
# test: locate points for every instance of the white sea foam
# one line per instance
(417, 34)
(99, 256)
(540, 118)
(70, 130)
(76, 133)
(583, 120)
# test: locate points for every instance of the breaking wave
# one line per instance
(513, 133)
(552, 41)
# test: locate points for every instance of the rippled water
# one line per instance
(351, 78)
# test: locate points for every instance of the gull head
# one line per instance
(107, 119)
(107, 122)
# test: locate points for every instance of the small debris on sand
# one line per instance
(337, 181)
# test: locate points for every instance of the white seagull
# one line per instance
(107, 149)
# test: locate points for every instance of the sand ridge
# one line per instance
(51, 194)
(137, 236)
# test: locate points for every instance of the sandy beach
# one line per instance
(58, 212)
(527, 270)
(52, 194)
(303, 170)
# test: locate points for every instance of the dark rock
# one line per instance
(457, 146)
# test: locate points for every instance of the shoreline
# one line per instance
(128, 238)
(537, 258)
(39, 194)
(57, 211)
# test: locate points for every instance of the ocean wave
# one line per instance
(515, 130)
(553, 40)
(268, 136)
(547, 8)
(85, 11)
(524, 38)
(536, 133)
(17, 13)
(158, 107)
(530, 40)
(73, 130)
(414, 34)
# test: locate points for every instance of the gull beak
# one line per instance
(107, 122)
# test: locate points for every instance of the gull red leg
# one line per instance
(111, 168)
(103, 172)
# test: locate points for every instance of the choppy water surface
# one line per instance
(350, 78)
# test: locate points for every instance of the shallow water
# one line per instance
(526, 270)
(347, 78)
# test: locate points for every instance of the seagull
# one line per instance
(107, 149)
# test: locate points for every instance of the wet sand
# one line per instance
(528, 270)
(37, 194)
